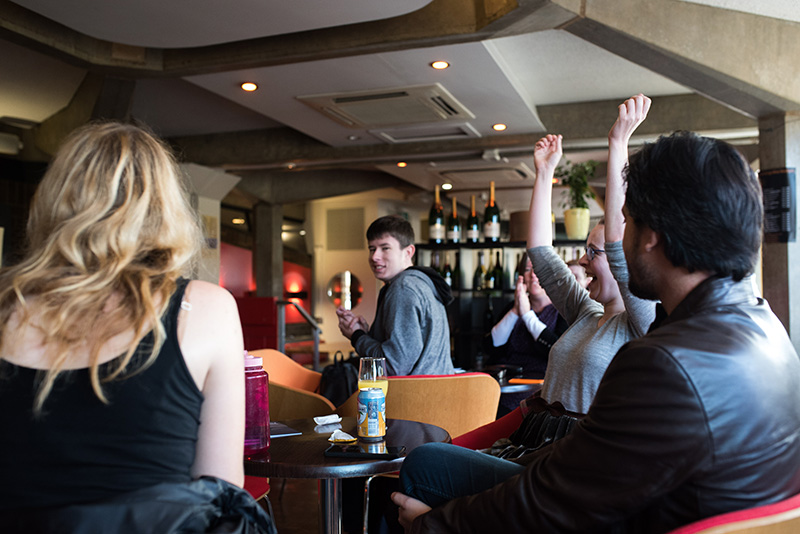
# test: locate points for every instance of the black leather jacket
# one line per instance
(699, 417)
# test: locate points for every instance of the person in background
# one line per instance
(410, 328)
(579, 272)
(121, 383)
(525, 334)
(699, 417)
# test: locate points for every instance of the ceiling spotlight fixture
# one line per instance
(249, 87)
(353, 138)
(237, 221)
(440, 65)
(447, 186)
(402, 164)
(290, 166)
(499, 127)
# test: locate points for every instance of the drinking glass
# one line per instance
(372, 374)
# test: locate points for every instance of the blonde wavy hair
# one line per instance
(110, 226)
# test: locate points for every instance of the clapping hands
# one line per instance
(522, 303)
(350, 322)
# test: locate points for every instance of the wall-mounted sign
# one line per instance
(780, 218)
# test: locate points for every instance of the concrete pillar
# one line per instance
(268, 250)
(779, 146)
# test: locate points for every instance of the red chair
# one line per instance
(782, 517)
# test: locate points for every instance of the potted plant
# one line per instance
(576, 176)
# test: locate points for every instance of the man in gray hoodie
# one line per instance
(410, 328)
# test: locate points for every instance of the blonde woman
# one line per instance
(117, 375)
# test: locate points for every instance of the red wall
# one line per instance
(236, 275)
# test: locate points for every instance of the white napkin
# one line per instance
(327, 419)
(325, 429)
(338, 436)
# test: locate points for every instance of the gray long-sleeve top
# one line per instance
(580, 357)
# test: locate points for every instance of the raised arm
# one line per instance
(632, 113)
(546, 156)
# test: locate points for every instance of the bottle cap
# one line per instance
(251, 361)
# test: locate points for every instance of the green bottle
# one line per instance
(473, 223)
(453, 225)
(436, 220)
(491, 219)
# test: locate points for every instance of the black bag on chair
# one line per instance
(339, 379)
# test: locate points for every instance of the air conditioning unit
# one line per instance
(390, 107)
(503, 173)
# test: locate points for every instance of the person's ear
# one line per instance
(410, 249)
(650, 239)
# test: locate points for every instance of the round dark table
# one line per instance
(302, 456)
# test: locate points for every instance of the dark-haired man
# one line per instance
(410, 328)
(699, 417)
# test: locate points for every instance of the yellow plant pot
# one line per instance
(576, 222)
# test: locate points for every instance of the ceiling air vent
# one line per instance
(512, 173)
(390, 107)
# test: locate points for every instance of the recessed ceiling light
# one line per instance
(499, 127)
(249, 87)
(237, 221)
(447, 187)
(402, 164)
(291, 166)
(440, 65)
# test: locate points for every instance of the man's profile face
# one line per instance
(387, 259)
(641, 279)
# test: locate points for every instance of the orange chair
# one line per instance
(285, 371)
(782, 517)
(456, 403)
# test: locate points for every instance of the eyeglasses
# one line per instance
(591, 252)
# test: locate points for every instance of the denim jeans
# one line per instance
(435, 473)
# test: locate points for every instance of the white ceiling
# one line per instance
(498, 80)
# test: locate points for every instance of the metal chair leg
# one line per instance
(366, 504)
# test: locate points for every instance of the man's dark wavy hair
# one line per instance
(702, 197)
(392, 225)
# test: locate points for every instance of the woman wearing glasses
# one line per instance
(605, 315)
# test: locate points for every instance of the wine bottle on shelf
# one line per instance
(435, 261)
(453, 225)
(457, 272)
(436, 220)
(491, 219)
(447, 272)
(490, 276)
(480, 273)
(499, 273)
(516, 271)
(473, 223)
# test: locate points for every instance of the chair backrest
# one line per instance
(782, 517)
(287, 372)
(456, 403)
(286, 402)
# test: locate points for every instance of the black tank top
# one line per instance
(81, 450)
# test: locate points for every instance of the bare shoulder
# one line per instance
(205, 293)
(211, 311)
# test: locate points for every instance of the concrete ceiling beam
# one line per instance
(711, 50)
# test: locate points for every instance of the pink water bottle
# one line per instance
(256, 383)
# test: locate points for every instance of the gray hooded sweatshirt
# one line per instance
(410, 328)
